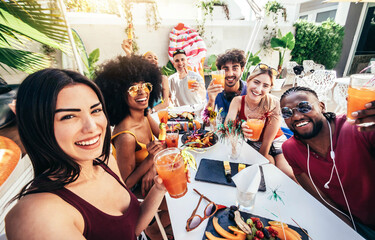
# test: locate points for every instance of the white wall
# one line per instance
(106, 32)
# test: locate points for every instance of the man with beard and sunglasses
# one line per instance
(233, 62)
(333, 160)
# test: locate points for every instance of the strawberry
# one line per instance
(259, 234)
(258, 224)
(255, 219)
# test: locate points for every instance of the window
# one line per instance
(322, 16)
(303, 17)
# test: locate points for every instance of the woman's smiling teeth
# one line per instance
(256, 94)
(141, 99)
(87, 143)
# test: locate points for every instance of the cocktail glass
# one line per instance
(218, 77)
(191, 81)
(245, 199)
(361, 91)
(236, 141)
(172, 138)
(256, 124)
(163, 115)
(171, 168)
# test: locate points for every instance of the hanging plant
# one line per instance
(272, 9)
(207, 8)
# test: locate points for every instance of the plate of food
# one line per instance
(230, 223)
(184, 127)
(200, 139)
(184, 116)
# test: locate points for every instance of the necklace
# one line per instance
(248, 107)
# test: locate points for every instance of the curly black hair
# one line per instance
(328, 115)
(116, 76)
(231, 55)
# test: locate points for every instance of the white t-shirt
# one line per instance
(180, 92)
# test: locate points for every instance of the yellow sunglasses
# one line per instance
(133, 90)
(265, 67)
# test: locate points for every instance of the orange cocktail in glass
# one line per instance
(191, 82)
(163, 116)
(171, 168)
(218, 77)
(172, 138)
(360, 92)
(257, 126)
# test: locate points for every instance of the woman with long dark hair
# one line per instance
(76, 192)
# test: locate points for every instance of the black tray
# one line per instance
(224, 222)
(213, 171)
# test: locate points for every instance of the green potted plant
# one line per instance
(251, 61)
(282, 44)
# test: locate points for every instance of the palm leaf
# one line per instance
(22, 28)
(25, 61)
(40, 18)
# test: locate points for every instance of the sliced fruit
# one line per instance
(190, 117)
(210, 236)
(277, 224)
(289, 233)
(197, 124)
(221, 230)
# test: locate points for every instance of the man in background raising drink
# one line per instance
(186, 87)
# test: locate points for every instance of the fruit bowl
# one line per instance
(201, 139)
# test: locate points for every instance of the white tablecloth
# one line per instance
(301, 206)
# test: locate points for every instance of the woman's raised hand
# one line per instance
(247, 132)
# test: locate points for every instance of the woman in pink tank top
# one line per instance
(259, 103)
(76, 192)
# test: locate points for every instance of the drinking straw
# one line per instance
(302, 229)
(371, 79)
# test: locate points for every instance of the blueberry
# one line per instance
(231, 215)
(266, 233)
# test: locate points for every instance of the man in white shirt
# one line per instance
(181, 94)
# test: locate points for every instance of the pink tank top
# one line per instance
(99, 225)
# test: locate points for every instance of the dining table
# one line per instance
(297, 205)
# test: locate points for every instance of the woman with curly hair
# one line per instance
(163, 100)
(259, 103)
(128, 85)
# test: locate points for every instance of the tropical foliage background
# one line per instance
(24, 22)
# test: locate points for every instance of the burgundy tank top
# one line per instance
(243, 117)
(100, 225)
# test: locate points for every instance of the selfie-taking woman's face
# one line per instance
(80, 123)
(258, 87)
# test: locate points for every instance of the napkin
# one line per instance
(248, 180)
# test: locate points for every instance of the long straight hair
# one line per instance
(267, 103)
(35, 112)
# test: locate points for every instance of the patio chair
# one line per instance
(340, 92)
(290, 75)
(311, 66)
(160, 225)
(321, 81)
